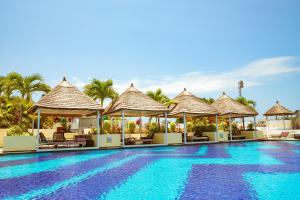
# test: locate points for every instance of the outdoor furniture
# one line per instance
(148, 139)
(130, 141)
(297, 136)
(44, 140)
(60, 140)
(191, 137)
(197, 138)
(236, 135)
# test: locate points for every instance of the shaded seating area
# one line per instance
(230, 109)
(67, 101)
(278, 111)
(134, 103)
(188, 105)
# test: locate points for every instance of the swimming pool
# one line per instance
(249, 170)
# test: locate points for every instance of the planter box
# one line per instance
(210, 135)
(252, 135)
(223, 136)
(108, 140)
(173, 138)
(19, 143)
(2, 135)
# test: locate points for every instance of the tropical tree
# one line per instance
(208, 100)
(247, 102)
(161, 98)
(23, 87)
(101, 90)
(26, 85)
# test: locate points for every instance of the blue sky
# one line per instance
(206, 46)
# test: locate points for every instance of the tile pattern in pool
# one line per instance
(250, 170)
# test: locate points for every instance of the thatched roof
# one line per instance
(278, 109)
(66, 100)
(191, 105)
(225, 105)
(134, 103)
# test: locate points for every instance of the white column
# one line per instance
(217, 130)
(123, 129)
(283, 123)
(267, 126)
(38, 129)
(166, 125)
(32, 131)
(254, 123)
(230, 128)
(184, 124)
(98, 129)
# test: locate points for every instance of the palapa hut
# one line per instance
(188, 105)
(134, 103)
(65, 100)
(277, 110)
(230, 108)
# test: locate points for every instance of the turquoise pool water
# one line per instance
(249, 170)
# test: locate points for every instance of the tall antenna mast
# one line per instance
(240, 86)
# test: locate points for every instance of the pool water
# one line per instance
(249, 170)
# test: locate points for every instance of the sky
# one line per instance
(204, 46)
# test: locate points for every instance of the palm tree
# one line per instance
(26, 85)
(161, 98)
(101, 90)
(247, 102)
(158, 96)
(208, 100)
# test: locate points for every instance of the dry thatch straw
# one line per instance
(226, 106)
(134, 103)
(66, 100)
(278, 109)
(191, 105)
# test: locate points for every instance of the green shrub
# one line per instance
(106, 126)
(163, 128)
(189, 126)
(173, 127)
(64, 124)
(153, 128)
(17, 130)
(250, 127)
(199, 129)
(211, 128)
(131, 127)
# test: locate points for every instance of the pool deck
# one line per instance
(141, 146)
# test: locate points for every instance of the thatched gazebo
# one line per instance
(65, 100)
(277, 110)
(230, 108)
(134, 103)
(188, 105)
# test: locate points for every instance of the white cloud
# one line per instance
(199, 82)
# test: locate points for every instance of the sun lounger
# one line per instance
(44, 140)
(148, 139)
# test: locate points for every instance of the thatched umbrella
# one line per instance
(228, 107)
(134, 103)
(189, 105)
(277, 110)
(65, 100)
